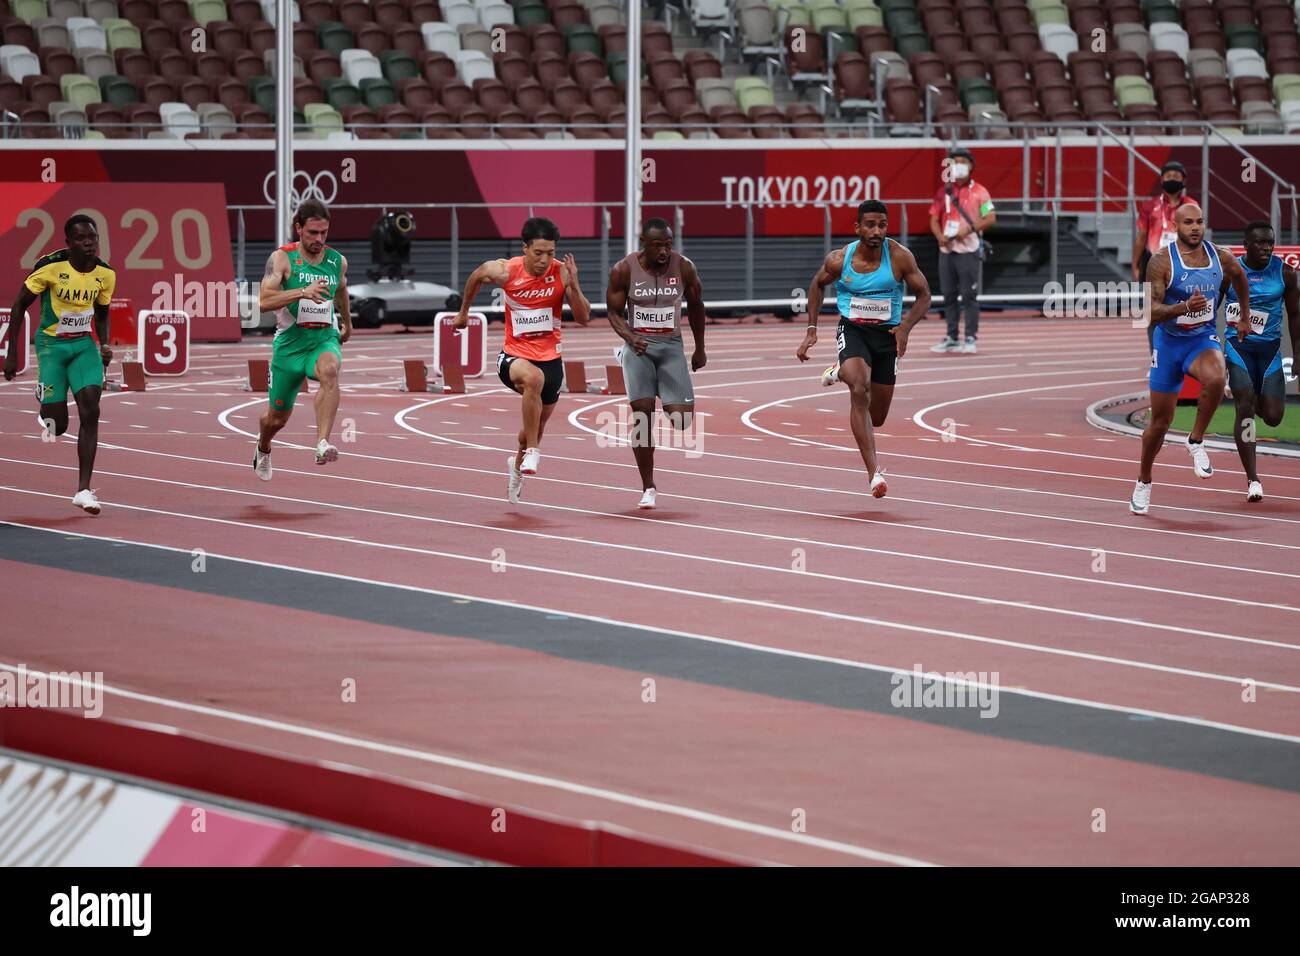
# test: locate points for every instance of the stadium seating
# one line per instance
(457, 67)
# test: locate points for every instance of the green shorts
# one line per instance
(63, 364)
(293, 358)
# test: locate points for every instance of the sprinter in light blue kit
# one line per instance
(869, 276)
(1185, 278)
(1255, 360)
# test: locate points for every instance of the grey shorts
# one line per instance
(661, 371)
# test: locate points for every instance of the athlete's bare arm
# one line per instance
(693, 289)
(341, 304)
(270, 295)
(17, 324)
(1158, 271)
(909, 273)
(102, 331)
(1234, 274)
(573, 292)
(1291, 302)
(830, 271)
(494, 270)
(620, 278)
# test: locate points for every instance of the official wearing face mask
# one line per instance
(961, 211)
(1155, 224)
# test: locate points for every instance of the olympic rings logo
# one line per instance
(303, 187)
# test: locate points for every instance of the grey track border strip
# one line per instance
(1095, 415)
(1210, 751)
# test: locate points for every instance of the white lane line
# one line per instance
(675, 591)
(653, 631)
(919, 419)
(918, 527)
(518, 776)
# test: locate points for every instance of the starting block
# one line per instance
(416, 376)
(133, 377)
(259, 375)
(453, 378)
(575, 376)
(614, 381)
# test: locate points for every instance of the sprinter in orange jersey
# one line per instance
(536, 285)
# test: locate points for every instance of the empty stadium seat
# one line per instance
(472, 65)
(1058, 39)
(1243, 62)
(178, 119)
(1131, 36)
(19, 62)
(441, 38)
(1170, 36)
(358, 65)
(85, 34)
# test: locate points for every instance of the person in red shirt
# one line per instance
(960, 213)
(1155, 223)
(535, 287)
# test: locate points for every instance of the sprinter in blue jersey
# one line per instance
(1255, 360)
(1185, 278)
(869, 275)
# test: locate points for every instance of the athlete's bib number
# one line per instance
(1199, 317)
(1258, 319)
(313, 315)
(870, 311)
(532, 321)
(654, 319)
(75, 323)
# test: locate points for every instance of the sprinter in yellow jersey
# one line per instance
(74, 287)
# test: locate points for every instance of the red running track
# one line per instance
(1005, 547)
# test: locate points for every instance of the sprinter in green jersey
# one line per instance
(305, 285)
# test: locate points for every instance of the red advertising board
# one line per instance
(787, 186)
(169, 243)
(17, 341)
(164, 342)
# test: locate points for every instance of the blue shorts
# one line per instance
(1254, 365)
(1173, 355)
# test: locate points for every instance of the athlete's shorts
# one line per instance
(877, 347)
(660, 372)
(552, 375)
(293, 358)
(1254, 365)
(65, 364)
(1173, 355)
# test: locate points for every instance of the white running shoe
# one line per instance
(1200, 459)
(531, 458)
(326, 453)
(1254, 491)
(969, 348)
(949, 344)
(515, 488)
(878, 487)
(261, 463)
(86, 501)
(647, 499)
(831, 375)
(1140, 503)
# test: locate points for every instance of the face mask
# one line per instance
(960, 170)
(1172, 186)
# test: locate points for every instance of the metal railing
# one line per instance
(679, 209)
